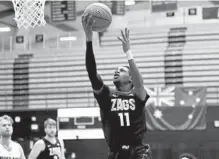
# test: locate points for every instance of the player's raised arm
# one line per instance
(135, 74)
(96, 81)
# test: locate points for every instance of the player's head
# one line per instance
(50, 127)
(6, 123)
(187, 156)
(122, 78)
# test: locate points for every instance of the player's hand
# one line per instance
(87, 24)
(125, 40)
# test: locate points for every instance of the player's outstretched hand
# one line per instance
(125, 40)
(87, 23)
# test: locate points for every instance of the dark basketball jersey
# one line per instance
(52, 151)
(123, 117)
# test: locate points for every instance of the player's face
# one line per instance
(50, 130)
(121, 75)
(6, 128)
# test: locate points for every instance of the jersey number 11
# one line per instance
(124, 117)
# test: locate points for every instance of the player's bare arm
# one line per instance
(96, 81)
(135, 74)
(21, 152)
(37, 148)
(62, 148)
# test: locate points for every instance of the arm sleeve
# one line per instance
(96, 81)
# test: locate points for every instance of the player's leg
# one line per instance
(143, 152)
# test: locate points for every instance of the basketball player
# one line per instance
(8, 148)
(122, 109)
(50, 147)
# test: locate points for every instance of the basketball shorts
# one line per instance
(132, 152)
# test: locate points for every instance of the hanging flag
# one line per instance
(188, 112)
(161, 96)
(176, 118)
(190, 96)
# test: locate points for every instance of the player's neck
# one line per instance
(124, 88)
(5, 141)
(51, 139)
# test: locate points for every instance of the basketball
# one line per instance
(101, 14)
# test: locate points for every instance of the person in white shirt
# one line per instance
(8, 148)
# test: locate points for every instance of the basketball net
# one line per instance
(29, 13)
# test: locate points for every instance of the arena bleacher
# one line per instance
(60, 80)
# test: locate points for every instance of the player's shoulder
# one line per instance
(104, 90)
(40, 142)
(16, 144)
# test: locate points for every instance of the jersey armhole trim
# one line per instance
(99, 91)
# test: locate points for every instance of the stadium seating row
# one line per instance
(60, 79)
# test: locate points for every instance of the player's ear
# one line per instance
(130, 79)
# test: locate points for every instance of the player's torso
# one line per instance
(52, 151)
(13, 153)
(126, 118)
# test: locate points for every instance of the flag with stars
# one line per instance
(188, 112)
(190, 96)
(176, 118)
